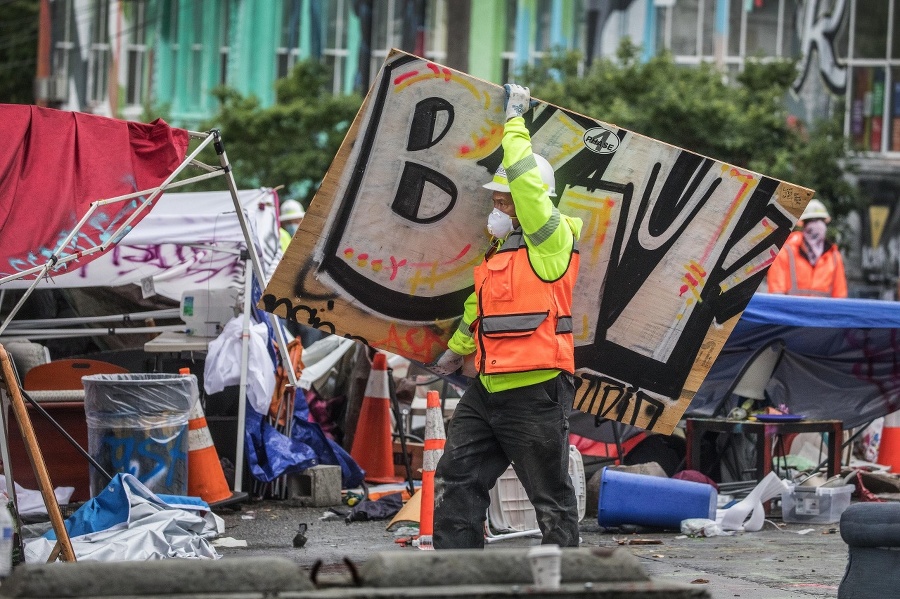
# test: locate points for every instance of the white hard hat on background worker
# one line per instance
(292, 214)
(815, 209)
(291, 210)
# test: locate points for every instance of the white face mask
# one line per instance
(499, 224)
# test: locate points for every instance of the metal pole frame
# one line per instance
(59, 259)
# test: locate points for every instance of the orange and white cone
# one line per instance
(373, 443)
(889, 448)
(205, 476)
(433, 450)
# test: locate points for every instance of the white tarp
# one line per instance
(127, 521)
(187, 241)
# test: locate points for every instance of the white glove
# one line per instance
(448, 363)
(518, 100)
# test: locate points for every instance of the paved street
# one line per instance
(771, 564)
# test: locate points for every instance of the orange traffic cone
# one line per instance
(889, 448)
(373, 447)
(206, 479)
(433, 450)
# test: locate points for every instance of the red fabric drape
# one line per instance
(54, 163)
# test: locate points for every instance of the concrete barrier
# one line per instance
(496, 566)
(156, 578)
(587, 573)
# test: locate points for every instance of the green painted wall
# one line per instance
(256, 33)
(487, 36)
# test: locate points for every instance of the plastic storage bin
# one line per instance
(815, 505)
(138, 423)
(627, 498)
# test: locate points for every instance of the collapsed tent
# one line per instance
(107, 175)
(54, 164)
(192, 241)
(839, 360)
(187, 241)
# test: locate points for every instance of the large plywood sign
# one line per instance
(674, 244)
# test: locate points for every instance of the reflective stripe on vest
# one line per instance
(796, 290)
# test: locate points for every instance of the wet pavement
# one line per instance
(775, 563)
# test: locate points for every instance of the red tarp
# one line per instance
(54, 163)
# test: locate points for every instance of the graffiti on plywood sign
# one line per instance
(674, 243)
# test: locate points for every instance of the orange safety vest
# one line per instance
(792, 274)
(524, 323)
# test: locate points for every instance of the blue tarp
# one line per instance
(840, 360)
(816, 312)
(271, 454)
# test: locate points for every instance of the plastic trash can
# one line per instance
(627, 498)
(138, 423)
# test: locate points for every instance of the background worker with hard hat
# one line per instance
(518, 323)
(292, 214)
(809, 264)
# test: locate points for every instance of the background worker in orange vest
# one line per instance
(809, 264)
(519, 325)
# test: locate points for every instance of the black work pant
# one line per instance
(527, 426)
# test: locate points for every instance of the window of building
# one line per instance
(63, 34)
(543, 34)
(224, 41)
(170, 32)
(508, 56)
(195, 66)
(687, 27)
(895, 31)
(663, 28)
(871, 28)
(894, 113)
(136, 48)
(387, 26)
(289, 48)
(99, 53)
(436, 30)
(335, 52)
(764, 29)
(867, 98)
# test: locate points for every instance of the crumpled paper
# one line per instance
(702, 527)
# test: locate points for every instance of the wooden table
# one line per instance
(764, 432)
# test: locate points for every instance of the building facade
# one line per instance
(115, 57)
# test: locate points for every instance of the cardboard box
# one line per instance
(414, 451)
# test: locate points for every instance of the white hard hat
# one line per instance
(815, 209)
(290, 210)
(500, 182)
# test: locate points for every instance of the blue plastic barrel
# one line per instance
(627, 498)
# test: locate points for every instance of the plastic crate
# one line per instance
(511, 510)
(815, 505)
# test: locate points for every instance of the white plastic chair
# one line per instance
(511, 514)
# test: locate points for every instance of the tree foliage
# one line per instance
(745, 123)
(291, 143)
(18, 50)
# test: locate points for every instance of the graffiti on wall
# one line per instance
(673, 247)
(817, 27)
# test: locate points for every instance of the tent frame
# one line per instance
(60, 258)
